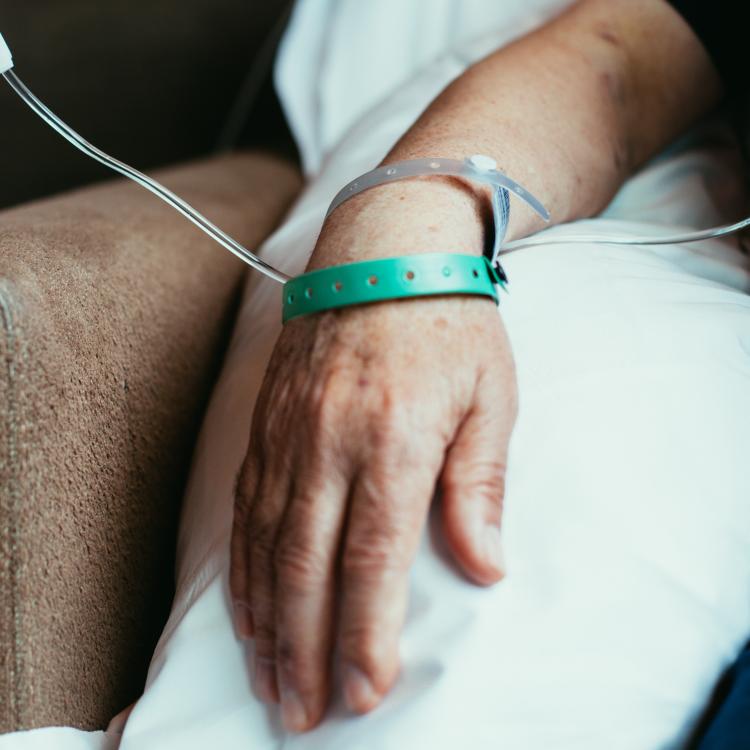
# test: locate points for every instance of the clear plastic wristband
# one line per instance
(479, 168)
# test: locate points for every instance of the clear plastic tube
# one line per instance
(472, 168)
(144, 180)
(667, 239)
(479, 168)
(483, 169)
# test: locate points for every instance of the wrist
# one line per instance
(408, 217)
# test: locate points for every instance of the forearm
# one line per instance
(568, 111)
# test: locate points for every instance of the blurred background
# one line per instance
(151, 83)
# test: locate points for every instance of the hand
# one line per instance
(361, 411)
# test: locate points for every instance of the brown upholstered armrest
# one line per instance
(114, 312)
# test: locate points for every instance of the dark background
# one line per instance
(151, 83)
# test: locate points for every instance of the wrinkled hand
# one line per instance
(362, 410)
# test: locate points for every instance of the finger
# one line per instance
(118, 722)
(245, 488)
(305, 560)
(263, 525)
(472, 481)
(388, 509)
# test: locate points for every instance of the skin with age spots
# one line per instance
(365, 410)
(608, 35)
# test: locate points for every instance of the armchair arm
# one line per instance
(114, 313)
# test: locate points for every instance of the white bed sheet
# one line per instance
(627, 526)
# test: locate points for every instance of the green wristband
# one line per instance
(389, 278)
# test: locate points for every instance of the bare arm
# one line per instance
(568, 111)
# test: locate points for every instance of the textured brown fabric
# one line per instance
(114, 311)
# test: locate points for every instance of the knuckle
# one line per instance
(493, 475)
(493, 489)
(390, 408)
(336, 383)
(269, 429)
(327, 403)
(490, 481)
(391, 431)
(296, 662)
(245, 485)
(297, 566)
(373, 558)
(270, 424)
(264, 622)
(261, 536)
(241, 514)
(263, 604)
(380, 500)
(299, 667)
(288, 657)
(365, 646)
(482, 478)
(265, 640)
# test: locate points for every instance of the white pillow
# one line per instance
(627, 525)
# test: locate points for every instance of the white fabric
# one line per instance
(627, 523)
(6, 59)
(340, 57)
(59, 738)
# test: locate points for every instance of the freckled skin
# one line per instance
(608, 35)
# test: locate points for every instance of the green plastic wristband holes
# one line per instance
(389, 278)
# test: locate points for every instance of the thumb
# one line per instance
(472, 482)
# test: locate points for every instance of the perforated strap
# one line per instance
(389, 278)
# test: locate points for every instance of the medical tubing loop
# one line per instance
(479, 168)
(471, 168)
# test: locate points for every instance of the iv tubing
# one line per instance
(166, 195)
(252, 260)
(667, 239)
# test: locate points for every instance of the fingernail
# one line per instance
(493, 547)
(358, 690)
(265, 681)
(243, 619)
(293, 711)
